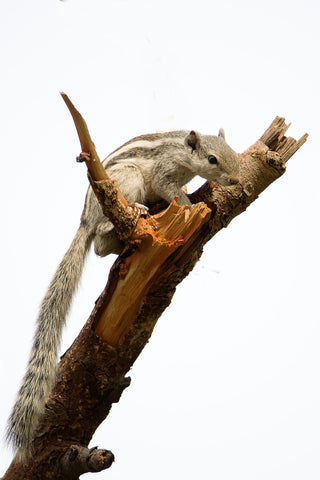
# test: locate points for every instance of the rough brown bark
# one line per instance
(92, 372)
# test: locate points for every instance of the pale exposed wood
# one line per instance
(275, 132)
(274, 138)
(158, 238)
(288, 148)
(94, 165)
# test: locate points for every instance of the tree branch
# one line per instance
(124, 215)
(162, 250)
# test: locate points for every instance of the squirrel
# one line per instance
(147, 168)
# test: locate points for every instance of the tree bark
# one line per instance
(159, 254)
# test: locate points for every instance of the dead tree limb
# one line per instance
(159, 253)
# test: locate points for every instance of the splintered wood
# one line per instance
(275, 139)
(157, 238)
(154, 238)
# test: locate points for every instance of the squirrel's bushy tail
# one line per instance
(41, 371)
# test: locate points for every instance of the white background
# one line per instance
(228, 387)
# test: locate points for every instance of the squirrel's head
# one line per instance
(212, 158)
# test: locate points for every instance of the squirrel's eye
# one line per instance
(212, 159)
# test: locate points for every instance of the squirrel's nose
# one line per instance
(233, 180)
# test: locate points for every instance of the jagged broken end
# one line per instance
(274, 138)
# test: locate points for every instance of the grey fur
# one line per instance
(40, 374)
(147, 168)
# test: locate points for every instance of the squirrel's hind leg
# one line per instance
(106, 240)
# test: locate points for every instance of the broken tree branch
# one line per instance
(164, 249)
(123, 215)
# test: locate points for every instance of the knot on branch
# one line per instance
(78, 460)
(273, 159)
(116, 392)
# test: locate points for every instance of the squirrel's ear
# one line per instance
(193, 140)
(221, 133)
